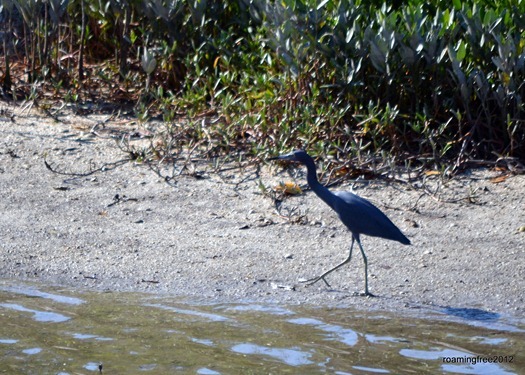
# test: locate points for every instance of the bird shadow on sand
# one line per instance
(470, 313)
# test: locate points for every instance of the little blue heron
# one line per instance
(359, 215)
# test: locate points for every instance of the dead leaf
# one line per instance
(288, 188)
(497, 180)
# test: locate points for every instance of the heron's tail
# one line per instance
(403, 239)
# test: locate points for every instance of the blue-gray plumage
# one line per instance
(359, 215)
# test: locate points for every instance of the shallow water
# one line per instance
(49, 330)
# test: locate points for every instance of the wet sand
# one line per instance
(218, 237)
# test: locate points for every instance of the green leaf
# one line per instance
(461, 50)
(322, 4)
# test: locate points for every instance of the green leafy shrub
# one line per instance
(432, 82)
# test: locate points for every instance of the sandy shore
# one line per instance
(219, 238)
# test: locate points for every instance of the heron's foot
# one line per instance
(365, 294)
(314, 280)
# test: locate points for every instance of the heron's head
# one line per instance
(299, 156)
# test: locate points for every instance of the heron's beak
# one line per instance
(290, 157)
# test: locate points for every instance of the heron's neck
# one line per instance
(319, 189)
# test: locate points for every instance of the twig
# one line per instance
(105, 167)
(118, 199)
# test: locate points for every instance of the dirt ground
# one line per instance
(219, 238)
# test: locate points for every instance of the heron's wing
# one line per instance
(354, 199)
(359, 206)
(362, 217)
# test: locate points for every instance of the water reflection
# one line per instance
(32, 351)
(334, 332)
(292, 357)
(39, 316)
(372, 370)
(84, 336)
(8, 341)
(68, 332)
(207, 371)
(91, 366)
(270, 309)
(32, 292)
(200, 314)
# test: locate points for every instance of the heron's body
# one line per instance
(362, 217)
(359, 215)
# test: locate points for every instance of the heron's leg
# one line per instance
(367, 293)
(322, 277)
